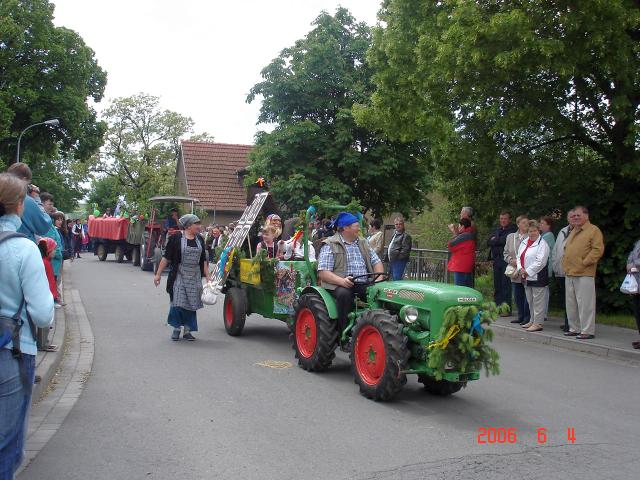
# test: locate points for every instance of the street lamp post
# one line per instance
(52, 123)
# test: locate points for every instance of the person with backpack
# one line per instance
(25, 303)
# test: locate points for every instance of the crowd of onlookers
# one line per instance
(528, 257)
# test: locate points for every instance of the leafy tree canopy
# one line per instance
(142, 144)
(46, 72)
(316, 148)
(532, 105)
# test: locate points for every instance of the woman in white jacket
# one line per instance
(532, 263)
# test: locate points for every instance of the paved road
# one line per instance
(156, 409)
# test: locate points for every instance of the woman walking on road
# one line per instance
(185, 252)
(24, 299)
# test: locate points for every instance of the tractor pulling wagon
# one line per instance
(116, 235)
(434, 330)
(154, 238)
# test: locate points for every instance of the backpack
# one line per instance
(10, 326)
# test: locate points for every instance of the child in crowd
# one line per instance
(269, 234)
(293, 249)
(47, 248)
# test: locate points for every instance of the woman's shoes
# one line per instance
(526, 325)
(536, 327)
(175, 336)
(188, 336)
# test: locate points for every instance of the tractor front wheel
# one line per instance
(101, 251)
(379, 355)
(235, 311)
(442, 388)
(314, 336)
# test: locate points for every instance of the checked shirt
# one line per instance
(355, 263)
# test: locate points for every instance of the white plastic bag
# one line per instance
(209, 294)
(629, 285)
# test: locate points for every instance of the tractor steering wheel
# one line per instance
(372, 277)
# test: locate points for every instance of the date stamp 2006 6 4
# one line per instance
(500, 435)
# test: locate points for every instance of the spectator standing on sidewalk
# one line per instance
(76, 230)
(512, 243)
(583, 248)
(57, 259)
(399, 250)
(376, 237)
(558, 271)
(462, 254)
(501, 283)
(35, 220)
(533, 267)
(23, 292)
(633, 266)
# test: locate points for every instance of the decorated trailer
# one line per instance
(437, 331)
(118, 236)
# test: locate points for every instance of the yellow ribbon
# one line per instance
(453, 331)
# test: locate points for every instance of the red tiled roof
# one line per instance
(210, 170)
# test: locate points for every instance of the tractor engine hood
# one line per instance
(426, 294)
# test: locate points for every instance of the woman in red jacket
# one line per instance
(462, 249)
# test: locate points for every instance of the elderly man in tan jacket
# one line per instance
(583, 248)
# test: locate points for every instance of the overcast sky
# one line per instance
(200, 56)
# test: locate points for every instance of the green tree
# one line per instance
(532, 105)
(141, 148)
(104, 193)
(316, 148)
(46, 72)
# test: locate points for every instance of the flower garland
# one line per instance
(463, 338)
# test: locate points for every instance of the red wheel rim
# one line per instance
(306, 333)
(370, 355)
(228, 312)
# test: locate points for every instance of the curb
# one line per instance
(48, 366)
(600, 350)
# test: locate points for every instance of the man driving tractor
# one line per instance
(345, 265)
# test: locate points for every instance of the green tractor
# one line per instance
(390, 335)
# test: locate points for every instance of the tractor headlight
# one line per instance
(409, 314)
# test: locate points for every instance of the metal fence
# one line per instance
(426, 264)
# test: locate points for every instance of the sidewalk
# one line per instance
(611, 342)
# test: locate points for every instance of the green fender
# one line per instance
(329, 301)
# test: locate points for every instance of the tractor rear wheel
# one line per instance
(101, 251)
(379, 354)
(440, 387)
(234, 311)
(135, 256)
(119, 253)
(146, 263)
(314, 337)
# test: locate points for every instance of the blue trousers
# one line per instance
(396, 268)
(15, 402)
(501, 284)
(521, 302)
(181, 317)
(463, 279)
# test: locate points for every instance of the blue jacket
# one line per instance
(22, 275)
(35, 221)
(56, 262)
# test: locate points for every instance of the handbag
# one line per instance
(209, 294)
(629, 285)
(511, 271)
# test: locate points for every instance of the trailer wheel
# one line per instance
(135, 256)
(379, 354)
(442, 388)
(119, 253)
(101, 252)
(314, 335)
(235, 311)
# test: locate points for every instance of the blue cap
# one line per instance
(345, 219)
